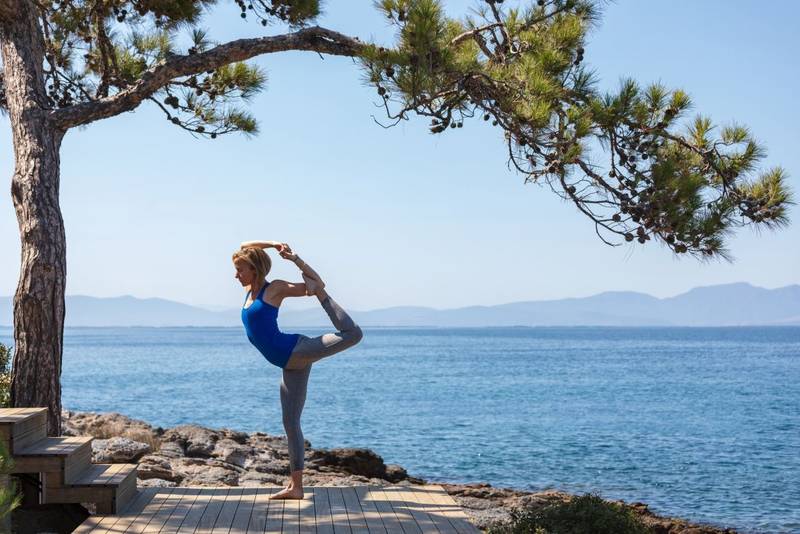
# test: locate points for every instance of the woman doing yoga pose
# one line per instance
(294, 353)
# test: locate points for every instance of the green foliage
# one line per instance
(9, 497)
(627, 159)
(687, 185)
(96, 49)
(5, 376)
(582, 514)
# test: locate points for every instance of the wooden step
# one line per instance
(109, 486)
(21, 427)
(68, 455)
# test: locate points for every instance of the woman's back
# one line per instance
(260, 321)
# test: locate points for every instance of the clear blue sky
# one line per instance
(400, 216)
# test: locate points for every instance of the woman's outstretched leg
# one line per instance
(293, 397)
(309, 350)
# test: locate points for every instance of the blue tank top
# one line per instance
(261, 324)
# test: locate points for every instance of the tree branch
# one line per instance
(314, 38)
(469, 33)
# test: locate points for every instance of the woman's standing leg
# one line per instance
(293, 397)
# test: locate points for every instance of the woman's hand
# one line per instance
(286, 251)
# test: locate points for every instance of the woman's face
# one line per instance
(244, 273)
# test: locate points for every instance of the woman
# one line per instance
(294, 353)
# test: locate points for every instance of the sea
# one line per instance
(698, 423)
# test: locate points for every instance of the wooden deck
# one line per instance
(324, 509)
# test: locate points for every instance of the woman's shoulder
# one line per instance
(272, 290)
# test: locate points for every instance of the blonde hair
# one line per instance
(257, 258)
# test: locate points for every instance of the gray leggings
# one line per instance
(295, 374)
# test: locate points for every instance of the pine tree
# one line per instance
(630, 160)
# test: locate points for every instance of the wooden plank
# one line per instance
(416, 508)
(308, 522)
(98, 475)
(125, 471)
(157, 519)
(77, 462)
(401, 510)
(111, 475)
(212, 510)
(7, 412)
(135, 522)
(245, 509)
(275, 515)
(10, 416)
(384, 507)
(433, 509)
(228, 511)
(102, 523)
(181, 510)
(82, 494)
(371, 513)
(53, 445)
(291, 516)
(21, 438)
(338, 510)
(124, 493)
(192, 519)
(405, 497)
(258, 519)
(429, 509)
(322, 510)
(37, 464)
(26, 422)
(23, 409)
(452, 510)
(355, 515)
(332, 509)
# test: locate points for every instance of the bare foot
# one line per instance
(288, 493)
(312, 285)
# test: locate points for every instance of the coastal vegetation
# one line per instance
(582, 513)
(5, 376)
(10, 499)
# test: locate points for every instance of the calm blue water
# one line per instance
(701, 423)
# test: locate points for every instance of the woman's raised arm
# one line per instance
(260, 244)
(286, 252)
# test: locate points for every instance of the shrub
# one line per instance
(9, 498)
(582, 514)
(5, 376)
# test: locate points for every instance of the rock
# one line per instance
(232, 451)
(276, 467)
(395, 473)
(118, 450)
(193, 439)
(254, 478)
(171, 449)
(239, 437)
(198, 472)
(102, 425)
(357, 461)
(154, 466)
(156, 483)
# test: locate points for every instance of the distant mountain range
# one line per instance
(720, 305)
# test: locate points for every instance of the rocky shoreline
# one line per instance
(192, 455)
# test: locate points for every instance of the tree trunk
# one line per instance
(39, 300)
